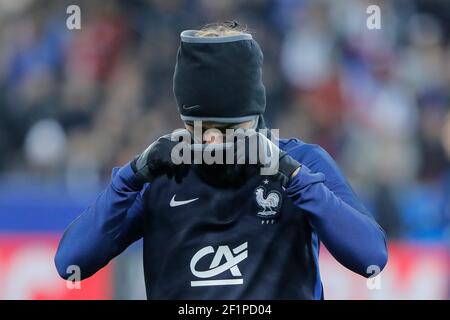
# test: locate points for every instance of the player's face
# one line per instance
(218, 134)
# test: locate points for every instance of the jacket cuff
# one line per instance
(124, 179)
(303, 179)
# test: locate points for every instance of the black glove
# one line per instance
(271, 160)
(287, 167)
(157, 160)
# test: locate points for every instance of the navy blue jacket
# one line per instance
(255, 241)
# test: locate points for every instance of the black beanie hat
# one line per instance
(219, 78)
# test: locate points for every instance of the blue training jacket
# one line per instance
(255, 241)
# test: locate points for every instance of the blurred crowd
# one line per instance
(75, 103)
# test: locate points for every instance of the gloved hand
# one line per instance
(157, 160)
(261, 151)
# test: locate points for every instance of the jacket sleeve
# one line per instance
(340, 220)
(104, 229)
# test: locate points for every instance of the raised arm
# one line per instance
(104, 229)
(115, 220)
(342, 223)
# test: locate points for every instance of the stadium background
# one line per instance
(75, 103)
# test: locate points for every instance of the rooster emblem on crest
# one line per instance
(270, 204)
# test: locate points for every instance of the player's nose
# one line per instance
(212, 137)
